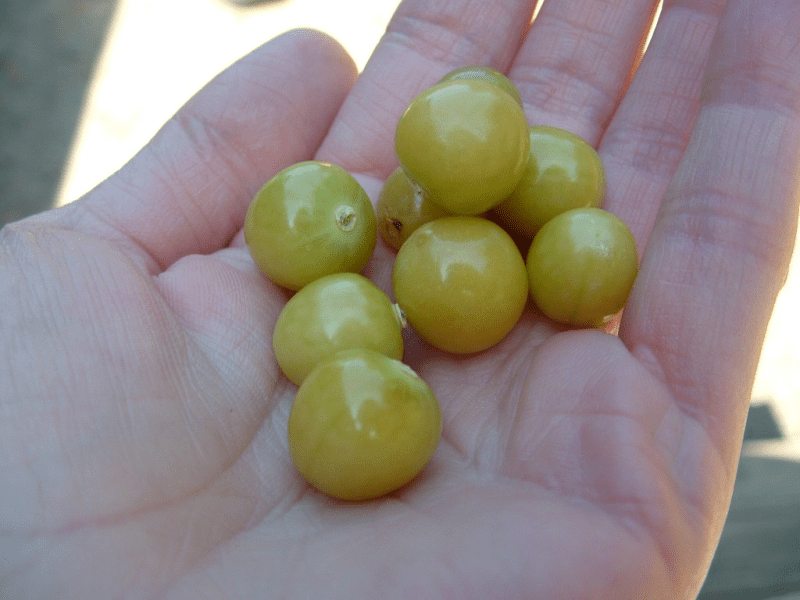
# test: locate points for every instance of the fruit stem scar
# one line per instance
(346, 217)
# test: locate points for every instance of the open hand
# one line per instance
(143, 447)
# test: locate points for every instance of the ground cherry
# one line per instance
(336, 312)
(563, 172)
(403, 207)
(461, 283)
(465, 142)
(488, 75)
(310, 220)
(581, 266)
(362, 425)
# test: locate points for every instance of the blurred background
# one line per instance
(84, 84)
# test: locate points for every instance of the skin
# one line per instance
(143, 419)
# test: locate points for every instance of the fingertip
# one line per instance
(318, 47)
(755, 57)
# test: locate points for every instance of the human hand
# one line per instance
(143, 447)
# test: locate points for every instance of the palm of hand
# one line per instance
(148, 455)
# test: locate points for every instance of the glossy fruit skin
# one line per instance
(310, 220)
(461, 283)
(563, 172)
(362, 425)
(581, 266)
(403, 207)
(488, 75)
(336, 312)
(465, 142)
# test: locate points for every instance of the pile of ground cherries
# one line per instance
(476, 184)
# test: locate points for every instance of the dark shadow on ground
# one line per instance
(759, 553)
(48, 49)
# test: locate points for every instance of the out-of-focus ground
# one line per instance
(85, 83)
(48, 50)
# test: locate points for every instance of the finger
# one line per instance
(572, 69)
(721, 245)
(187, 191)
(424, 40)
(646, 139)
